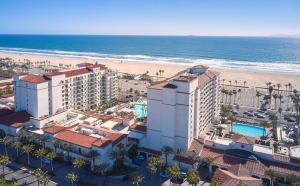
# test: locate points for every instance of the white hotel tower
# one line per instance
(181, 108)
(82, 88)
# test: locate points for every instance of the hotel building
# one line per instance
(82, 88)
(182, 108)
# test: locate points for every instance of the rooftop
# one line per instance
(35, 79)
(15, 119)
(197, 72)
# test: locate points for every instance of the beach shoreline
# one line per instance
(253, 78)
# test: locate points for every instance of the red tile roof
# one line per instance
(196, 146)
(115, 138)
(7, 95)
(53, 129)
(243, 139)
(76, 138)
(35, 79)
(227, 178)
(76, 72)
(54, 73)
(136, 127)
(15, 119)
(128, 116)
(4, 84)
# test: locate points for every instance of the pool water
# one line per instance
(140, 110)
(248, 130)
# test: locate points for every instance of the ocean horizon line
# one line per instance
(211, 62)
(152, 35)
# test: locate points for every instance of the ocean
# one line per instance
(270, 54)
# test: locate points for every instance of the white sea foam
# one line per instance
(217, 63)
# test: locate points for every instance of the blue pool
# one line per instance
(248, 130)
(140, 110)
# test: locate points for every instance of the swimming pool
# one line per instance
(140, 110)
(248, 130)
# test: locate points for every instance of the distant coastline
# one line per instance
(261, 54)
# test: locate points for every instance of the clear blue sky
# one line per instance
(151, 17)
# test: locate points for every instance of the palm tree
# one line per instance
(258, 94)
(280, 111)
(234, 92)
(27, 149)
(270, 89)
(4, 160)
(229, 82)
(230, 94)
(51, 156)
(166, 150)
(173, 171)
(5, 141)
(179, 152)
(278, 87)
(193, 177)
(92, 155)
(40, 153)
(137, 179)
(77, 164)
(275, 96)
(280, 97)
(72, 177)
(245, 82)
(68, 148)
(45, 180)
(208, 161)
(223, 92)
(101, 168)
(271, 174)
(17, 145)
(38, 173)
(55, 144)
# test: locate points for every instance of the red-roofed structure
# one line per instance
(15, 119)
(35, 79)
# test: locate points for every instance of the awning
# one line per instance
(135, 135)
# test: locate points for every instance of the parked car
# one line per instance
(140, 157)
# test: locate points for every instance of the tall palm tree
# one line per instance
(5, 141)
(92, 155)
(180, 153)
(230, 94)
(27, 149)
(51, 156)
(72, 177)
(68, 148)
(280, 97)
(208, 161)
(78, 164)
(166, 150)
(55, 144)
(234, 92)
(258, 94)
(41, 153)
(245, 82)
(38, 173)
(275, 96)
(4, 160)
(271, 174)
(17, 145)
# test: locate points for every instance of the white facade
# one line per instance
(181, 108)
(83, 88)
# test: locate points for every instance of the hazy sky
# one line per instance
(151, 17)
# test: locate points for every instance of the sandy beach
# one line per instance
(252, 78)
